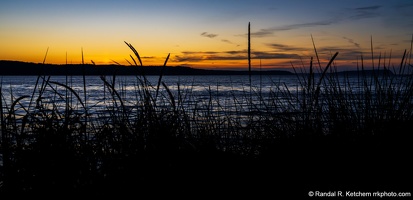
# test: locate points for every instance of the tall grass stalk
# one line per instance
(38, 78)
(160, 76)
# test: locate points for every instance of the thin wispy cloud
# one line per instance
(200, 52)
(208, 35)
(368, 8)
(237, 52)
(348, 15)
(212, 35)
(226, 41)
(351, 41)
(327, 49)
(273, 55)
(229, 42)
(346, 53)
(262, 33)
(199, 56)
(303, 25)
(270, 31)
(283, 48)
(364, 12)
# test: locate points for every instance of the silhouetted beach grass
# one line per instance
(329, 134)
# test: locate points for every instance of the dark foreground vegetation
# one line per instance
(331, 135)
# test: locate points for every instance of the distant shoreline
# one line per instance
(16, 68)
(19, 68)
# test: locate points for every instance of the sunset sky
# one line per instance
(205, 34)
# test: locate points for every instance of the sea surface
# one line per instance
(199, 87)
(219, 93)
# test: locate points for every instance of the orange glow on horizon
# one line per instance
(204, 53)
(257, 64)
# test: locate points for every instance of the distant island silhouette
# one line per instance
(28, 68)
(19, 68)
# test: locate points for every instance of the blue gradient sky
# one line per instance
(204, 33)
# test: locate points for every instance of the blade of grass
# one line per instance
(317, 92)
(37, 80)
(135, 52)
(72, 91)
(160, 76)
(315, 50)
(249, 52)
(171, 96)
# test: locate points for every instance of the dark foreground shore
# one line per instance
(291, 168)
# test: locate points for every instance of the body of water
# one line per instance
(282, 93)
(192, 88)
